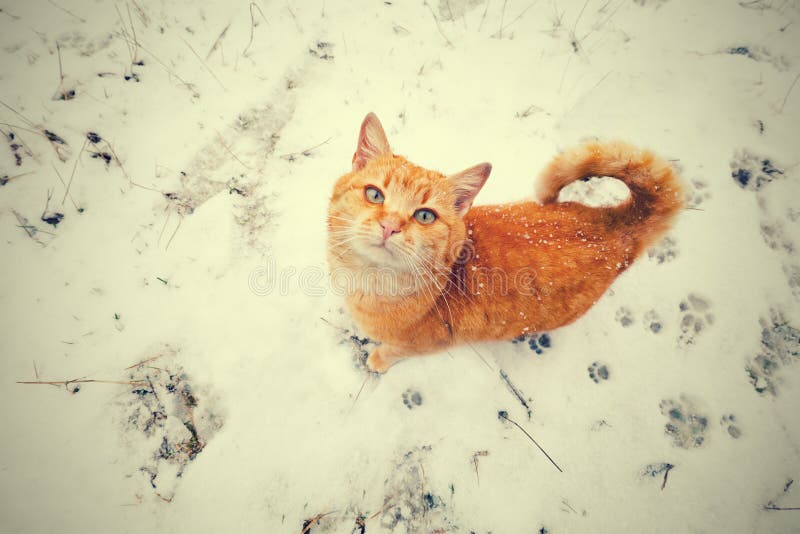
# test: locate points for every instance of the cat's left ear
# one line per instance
(467, 184)
(372, 142)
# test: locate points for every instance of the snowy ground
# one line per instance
(164, 175)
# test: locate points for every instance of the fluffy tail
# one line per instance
(656, 194)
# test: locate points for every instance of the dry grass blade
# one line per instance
(66, 383)
(475, 457)
(190, 86)
(68, 12)
(504, 415)
(309, 523)
(307, 152)
(669, 468)
(358, 395)
(386, 506)
(499, 33)
(785, 98)
(30, 229)
(72, 175)
(229, 151)
(480, 356)
(203, 63)
(142, 362)
(218, 41)
(438, 25)
(20, 115)
(253, 25)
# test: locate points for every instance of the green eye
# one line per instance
(425, 216)
(373, 195)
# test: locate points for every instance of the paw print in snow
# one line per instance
(752, 172)
(412, 399)
(792, 273)
(624, 316)
(598, 372)
(652, 322)
(694, 318)
(780, 347)
(538, 343)
(697, 194)
(684, 425)
(728, 422)
(664, 251)
(774, 236)
(361, 348)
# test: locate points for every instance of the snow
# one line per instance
(200, 247)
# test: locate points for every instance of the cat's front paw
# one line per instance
(376, 363)
(386, 356)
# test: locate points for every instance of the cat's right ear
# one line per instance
(372, 142)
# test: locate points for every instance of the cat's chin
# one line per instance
(381, 256)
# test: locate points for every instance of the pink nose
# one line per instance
(389, 228)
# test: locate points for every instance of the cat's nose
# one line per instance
(389, 229)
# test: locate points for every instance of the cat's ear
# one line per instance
(372, 142)
(467, 184)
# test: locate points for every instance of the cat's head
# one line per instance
(389, 213)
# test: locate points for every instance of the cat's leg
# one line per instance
(384, 357)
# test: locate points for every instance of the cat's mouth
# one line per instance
(381, 253)
(383, 248)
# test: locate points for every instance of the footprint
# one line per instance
(697, 194)
(728, 422)
(624, 316)
(538, 343)
(759, 54)
(684, 425)
(752, 172)
(412, 399)
(695, 316)
(598, 372)
(780, 347)
(652, 322)
(792, 273)
(361, 348)
(774, 236)
(664, 251)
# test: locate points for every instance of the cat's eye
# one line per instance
(425, 216)
(373, 195)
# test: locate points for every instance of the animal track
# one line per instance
(624, 316)
(760, 54)
(414, 507)
(697, 194)
(684, 425)
(772, 232)
(728, 423)
(362, 346)
(695, 317)
(792, 273)
(598, 372)
(664, 251)
(780, 346)
(652, 322)
(752, 172)
(166, 411)
(538, 343)
(412, 399)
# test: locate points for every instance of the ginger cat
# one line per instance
(422, 271)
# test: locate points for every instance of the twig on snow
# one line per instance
(504, 415)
